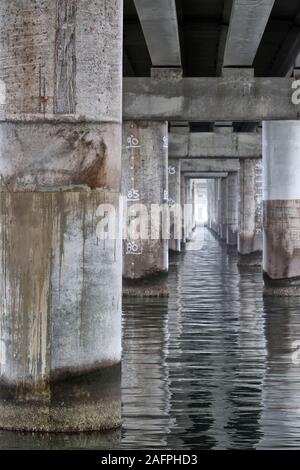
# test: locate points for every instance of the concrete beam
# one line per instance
(223, 35)
(208, 165)
(247, 24)
(160, 27)
(288, 53)
(206, 175)
(215, 145)
(228, 98)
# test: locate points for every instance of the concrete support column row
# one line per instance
(174, 175)
(232, 209)
(223, 208)
(213, 205)
(222, 205)
(183, 202)
(219, 206)
(250, 211)
(188, 209)
(209, 204)
(60, 160)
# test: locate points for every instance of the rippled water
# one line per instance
(212, 367)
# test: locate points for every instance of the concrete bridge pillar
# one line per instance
(189, 208)
(195, 202)
(60, 156)
(209, 204)
(219, 206)
(145, 189)
(213, 205)
(281, 169)
(232, 208)
(216, 206)
(224, 208)
(174, 169)
(250, 211)
(183, 183)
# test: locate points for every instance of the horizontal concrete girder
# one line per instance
(247, 24)
(208, 165)
(212, 144)
(206, 175)
(160, 27)
(229, 98)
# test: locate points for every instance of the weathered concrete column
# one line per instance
(194, 205)
(281, 256)
(174, 166)
(219, 206)
(144, 182)
(223, 214)
(183, 202)
(209, 204)
(214, 205)
(60, 155)
(188, 209)
(232, 209)
(250, 211)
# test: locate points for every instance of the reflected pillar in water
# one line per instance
(145, 188)
(60, 285)
(232, 209)
(250, 211)
(174, 201)
(281, 260)
(280, 423)
(146, 394)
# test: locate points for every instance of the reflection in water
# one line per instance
(280, 420)
(145, 374)
(210, 367)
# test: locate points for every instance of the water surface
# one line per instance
(212, 367)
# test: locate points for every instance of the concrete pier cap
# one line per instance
(60, 159)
